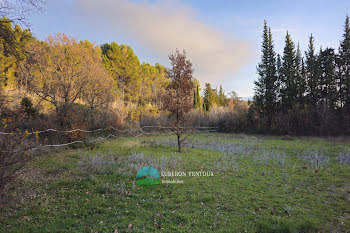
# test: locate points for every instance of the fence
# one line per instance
(139, 132)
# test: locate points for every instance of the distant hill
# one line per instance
(247, 98)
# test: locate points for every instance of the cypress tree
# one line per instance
(327, 85)
(209, 97)
(196, 98)
(222, 97)
(278, 73)
(300, 81)
(344, 68)
(312, 73)
(288, 75)
(265, 98)
(198, 101)
(215, 97)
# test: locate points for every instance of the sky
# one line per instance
(222, 38)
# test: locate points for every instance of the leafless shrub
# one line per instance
(121, 187)
(138, 160)
(97, 164)
(14, 155)
(107, 163)
(315, 159)
(270, 157)
(343, 158)
(225, 162)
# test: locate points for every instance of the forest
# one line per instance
(79, 119)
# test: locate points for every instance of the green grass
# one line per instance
(260, 195)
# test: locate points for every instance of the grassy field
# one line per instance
(260, 184)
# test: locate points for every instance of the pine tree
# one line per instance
(266, 87)
(125, 68)
(344, 68)
(13, 41)
(288, 75)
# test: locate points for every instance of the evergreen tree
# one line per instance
(312, 74)
(146, 76)
(12, 52)
(195, 99)
(266, 87)
(216, 97)
(222, 97)
(159, 84)
(209, 97)
(303, 88)
(278, 73)
(198, 98)
(327, 82)
(288, 75)
(300, 78)
(344, 68)
(125, 68)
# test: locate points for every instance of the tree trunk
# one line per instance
(178, 142)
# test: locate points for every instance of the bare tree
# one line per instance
(178, 99)
(16, 12)
(98, 92)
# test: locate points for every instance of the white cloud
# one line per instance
(163, 26)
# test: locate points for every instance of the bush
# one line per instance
(28, 109)
(343, 158)
(316, 159)
(14, 155)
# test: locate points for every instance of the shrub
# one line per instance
(224, 163)
(270, 156)
(97, 164)
(315, 158)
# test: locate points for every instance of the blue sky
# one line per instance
(222, 37)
